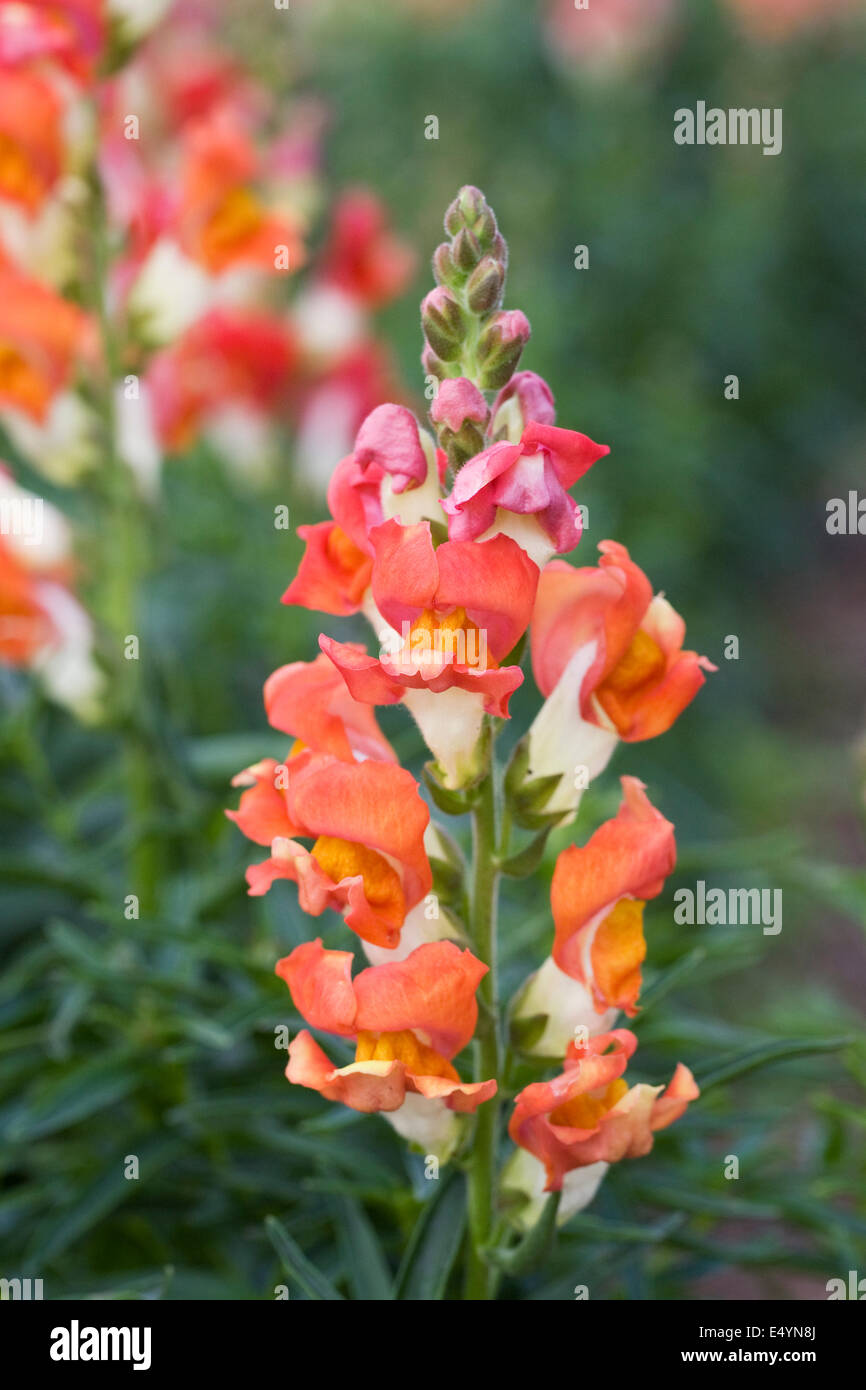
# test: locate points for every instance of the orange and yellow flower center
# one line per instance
(640, 667)
(18, 380)
(451, 636)
(587, 1111)
(618, 951)
(383, 890)
(238, 217)
(404, 1047)
(18, 178)
(345, 554)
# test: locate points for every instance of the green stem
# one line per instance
(123, 548)
(481, 1279)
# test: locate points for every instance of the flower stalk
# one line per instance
(448, 554)
(484, 1156)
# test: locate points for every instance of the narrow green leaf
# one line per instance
(76, 1096)
(56, 1232)
(297, 1266)
(669, 979)
(366, 1263)
(754, 1058)
(598, 1228)
(434, 1245)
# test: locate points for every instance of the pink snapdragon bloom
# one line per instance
(393, 471)
(521, 488)
(608, 37)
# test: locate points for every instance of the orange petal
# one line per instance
(310, 701)
(261, 813)
(320, 983)
(333, 575)
(627, 857)
(432, 992)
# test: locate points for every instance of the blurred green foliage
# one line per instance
(155, 1037)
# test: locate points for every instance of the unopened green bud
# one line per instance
(485, 286)
(444, 323)
(500, 347)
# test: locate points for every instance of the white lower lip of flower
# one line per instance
(561, 742)
(568, 1007)
(136, 439)
(67, 668)
(427, 1123)
(244, 438)
(64, 446)
(450, 724)
(170, 293)
(328, 322)
(36, 533)
(417, 931)
(526, 531)
(45, 243)
(525, 1173)
(416, 503)
(137, 17)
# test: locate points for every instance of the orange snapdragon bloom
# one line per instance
(41, 336)
(598, 895)
(590, 1115)
(367, 822)
(334, 573)
(31, 141)
(409, 1019)
(394, 465)
(453, 615)
(43, 627)
(223, 222)
(638, 679)
(609, 658)
(26, 627)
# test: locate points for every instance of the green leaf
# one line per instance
(366, 1263)
(298, 1267)
(452, 802)
(527, 860)
(597, 1228)
(434, 1245)
(59, 1230)
(669, 979)
(447, 880)
(535, 1245)
(745, 1062)
(79, 1094)
(525, 1032)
